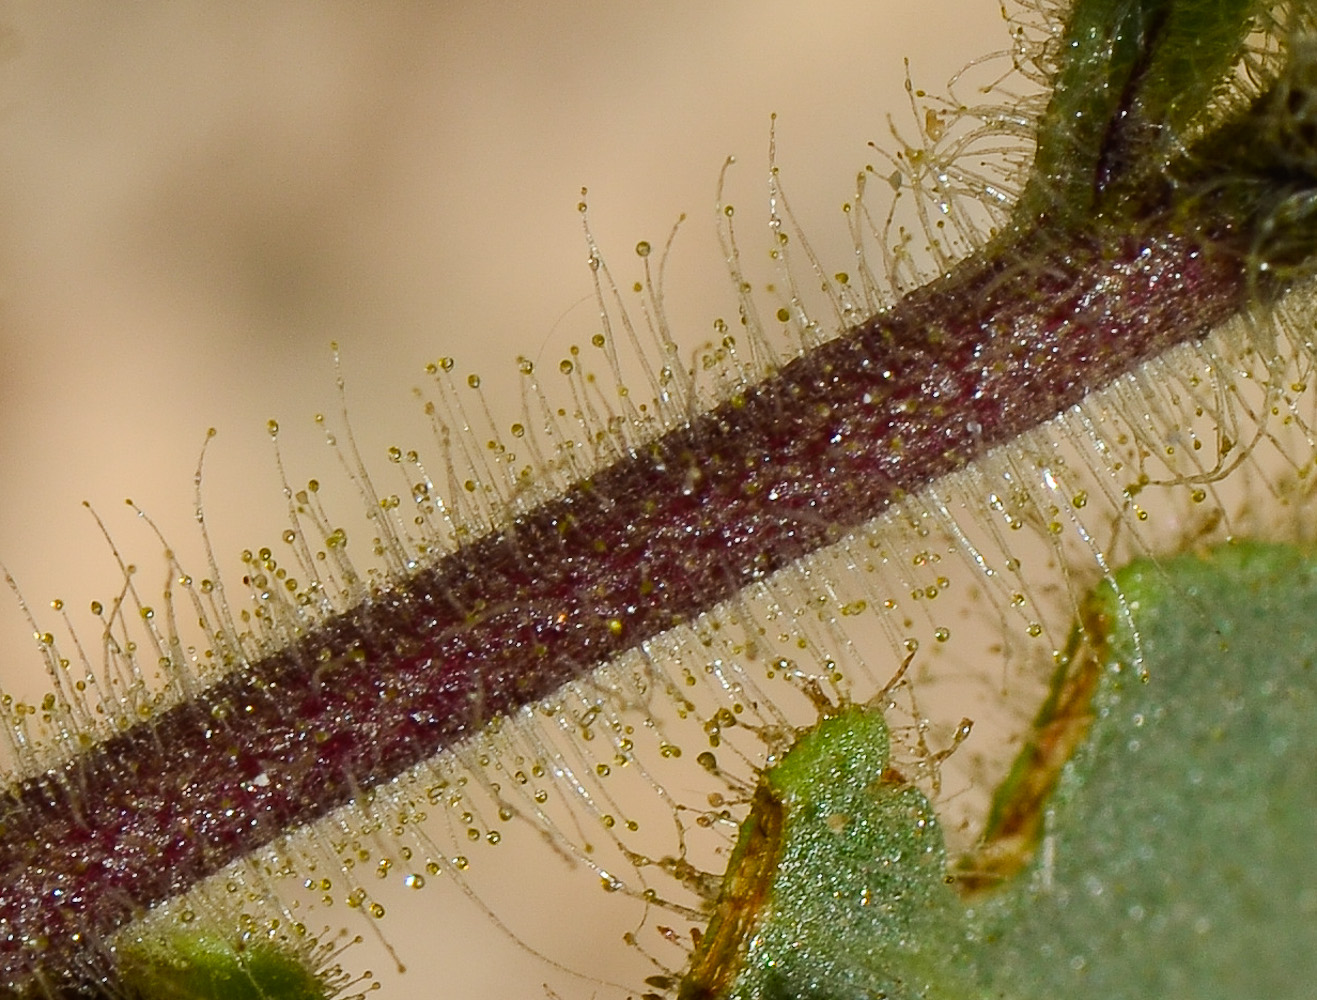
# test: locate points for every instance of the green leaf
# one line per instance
(842, 865)
(1172, 853)
(1177, 857)
(1133, 78)
(205, 967)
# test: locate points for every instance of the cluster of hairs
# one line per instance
(243, 757)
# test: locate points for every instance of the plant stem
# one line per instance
(776, 472)
(1046, 314)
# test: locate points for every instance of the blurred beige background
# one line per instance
(196, 199)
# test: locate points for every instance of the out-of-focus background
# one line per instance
(196, 199)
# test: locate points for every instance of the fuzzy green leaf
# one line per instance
(1172, 858)
(204, 967)
(1133, 77)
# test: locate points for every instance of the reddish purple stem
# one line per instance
(1002, 344)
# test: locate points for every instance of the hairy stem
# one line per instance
(1052, 310)
(789, 466)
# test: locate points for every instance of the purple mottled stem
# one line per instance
(990, 351)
